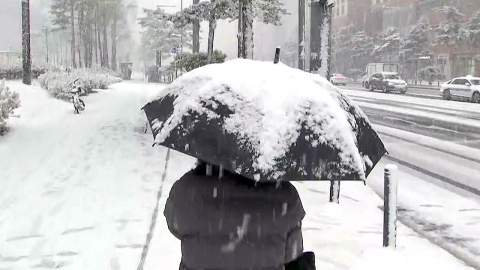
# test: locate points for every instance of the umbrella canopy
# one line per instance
(266, 121)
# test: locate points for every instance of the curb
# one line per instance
(424, 96)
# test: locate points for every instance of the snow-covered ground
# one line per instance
(78, 192)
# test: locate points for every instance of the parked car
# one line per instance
(467, 87)
(387, 82)
(338, 79)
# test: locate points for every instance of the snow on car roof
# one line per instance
(389, 72)
(468, 77)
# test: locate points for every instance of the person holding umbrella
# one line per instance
(237, 209)
(226, 221)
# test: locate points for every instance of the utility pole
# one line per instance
(26, 51)
(320, 42)
(196, 33)
(301, 34)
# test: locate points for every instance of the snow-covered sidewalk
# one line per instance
(343, 236)
(78, 192)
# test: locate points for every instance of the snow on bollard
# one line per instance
(390, 186)
(277, 55)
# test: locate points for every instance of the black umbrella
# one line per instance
(267, 122)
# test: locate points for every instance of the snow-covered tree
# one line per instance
(342, 49)
(387, 44)
(450, 31)
(93, 28)
(267, 11)
(362, 45)
(161, 34)
(472, 29)
(417, 41)
(8, 102)
(210, 11)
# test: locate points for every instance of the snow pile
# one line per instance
(8, 102)
(58, 83)
(269, 106)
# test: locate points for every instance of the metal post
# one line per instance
(26, 51)
(301, 34)
(390, 187)
(277, 55)
(334, 191)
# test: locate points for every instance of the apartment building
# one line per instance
(374, 16)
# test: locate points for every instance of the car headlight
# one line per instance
(389, 83)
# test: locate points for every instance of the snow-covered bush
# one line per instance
(59, 83)
(190, 61)
(430, 74)
(8, 102)
(15, 72)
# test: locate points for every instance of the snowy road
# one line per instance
(417, 91)
(437, 143)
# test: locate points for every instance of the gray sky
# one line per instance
(11, 24)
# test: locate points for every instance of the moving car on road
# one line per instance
(338, 79)
(364, 80)
(467, 87)
(387, 82)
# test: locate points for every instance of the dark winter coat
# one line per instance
(232, 223)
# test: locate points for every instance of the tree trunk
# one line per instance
(72, 26)
(114, 39)
(240, 50)
(99, 44)
(212, 24)
(26, 52)
(196, 33)
(246, 34)
(301, 35)
(105, 41)
(81, 41)
(325, 44)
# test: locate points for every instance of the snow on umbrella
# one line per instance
(266, 121)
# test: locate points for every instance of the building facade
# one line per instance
(375, 16)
